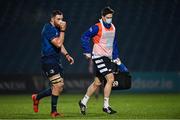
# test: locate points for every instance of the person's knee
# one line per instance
(97, 82)
(58, 87)
(110, 78)
(57, 83)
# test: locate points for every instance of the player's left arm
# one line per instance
(116, 58)
(66, 54)
(115, 53)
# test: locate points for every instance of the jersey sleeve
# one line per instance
(51, 33)
(85, 38)
(115, 48)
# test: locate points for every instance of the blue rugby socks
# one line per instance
(54, 100)
(44, 93)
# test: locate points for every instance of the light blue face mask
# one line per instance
(108, 20)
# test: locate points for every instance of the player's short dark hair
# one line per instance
(56, 12)
(107, 10)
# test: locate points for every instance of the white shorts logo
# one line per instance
(51, 71)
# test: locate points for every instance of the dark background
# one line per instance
(148, 33)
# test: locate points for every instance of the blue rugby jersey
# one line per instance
(49, 53)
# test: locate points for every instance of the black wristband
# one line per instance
(62, 30)
(66, 54)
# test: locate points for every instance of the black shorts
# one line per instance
(52, 69)
(103, 66)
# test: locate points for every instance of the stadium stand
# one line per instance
(148, 33)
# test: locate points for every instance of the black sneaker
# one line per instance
(82, 108)
(109, 110)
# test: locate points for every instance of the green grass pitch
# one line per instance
(129, 106)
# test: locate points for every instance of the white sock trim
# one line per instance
(106, 102)
(85, 100)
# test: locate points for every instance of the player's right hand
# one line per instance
(62, 25)
(70, 59)
(87, 55)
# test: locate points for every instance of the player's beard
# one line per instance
(56, 24)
